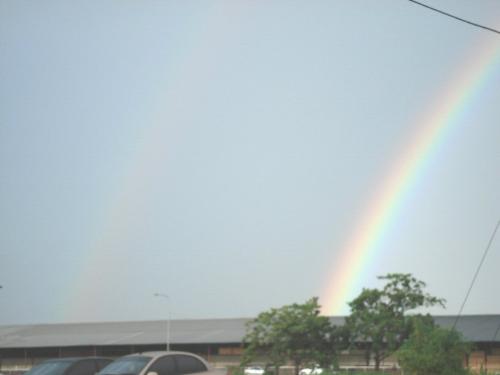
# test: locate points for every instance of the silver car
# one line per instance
(159, 363)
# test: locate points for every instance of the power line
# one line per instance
(496, 332)
(455, 17)
(477, 272)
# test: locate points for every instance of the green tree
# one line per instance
(262, 338)
(379, 318)
(295, 333)
(433, 350)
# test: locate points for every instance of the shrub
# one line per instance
(433, 350)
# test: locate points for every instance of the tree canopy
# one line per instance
(433, 350)
(379, 316)
(295, 333)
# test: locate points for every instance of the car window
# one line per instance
(50, 368)
(85, 367)
(102, 362)
(126, 365)
(164, 366)
(189, 365)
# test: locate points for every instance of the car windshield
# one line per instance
(50, 368)
(126, 365)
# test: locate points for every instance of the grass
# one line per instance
(367, 372)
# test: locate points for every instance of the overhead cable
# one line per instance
(455, 17)
(485, 253)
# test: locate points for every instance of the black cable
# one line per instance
(455, 17)
(477, 272)
(496, 333)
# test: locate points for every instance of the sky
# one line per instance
(224, 152)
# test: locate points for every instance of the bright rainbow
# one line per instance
(367, 238)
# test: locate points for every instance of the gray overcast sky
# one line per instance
(222, 152)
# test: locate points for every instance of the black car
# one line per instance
(70, 366)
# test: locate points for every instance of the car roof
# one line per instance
(160, 354)
(157, 354)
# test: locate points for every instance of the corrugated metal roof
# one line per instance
(122, 333)
(476, 328)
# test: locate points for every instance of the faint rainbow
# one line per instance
(367, 237)
(192, 67)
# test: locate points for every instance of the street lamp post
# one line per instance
(162, 295)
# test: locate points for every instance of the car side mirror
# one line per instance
(152, 373)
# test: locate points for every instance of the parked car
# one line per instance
(70, 366)
(254, 370)
(159, 363)
(311, 371)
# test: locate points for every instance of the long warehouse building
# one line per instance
(218, 340)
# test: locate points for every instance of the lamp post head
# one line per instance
(162, 295)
